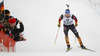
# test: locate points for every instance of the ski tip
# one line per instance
(93, 51)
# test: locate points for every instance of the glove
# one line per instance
(58, 25)
(19, 21)
(76, 24)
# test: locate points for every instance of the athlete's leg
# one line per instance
(66, 36)
(73, 29)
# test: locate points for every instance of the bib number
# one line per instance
(67, 21)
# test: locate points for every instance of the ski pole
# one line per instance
(75, 39)
(56, 35)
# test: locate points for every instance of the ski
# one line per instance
(68, 49)
(87, 49)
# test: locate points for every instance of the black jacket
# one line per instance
(17, 31)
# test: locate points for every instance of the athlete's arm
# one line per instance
(76, 21)
(60, 18)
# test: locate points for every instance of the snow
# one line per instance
(40, 18)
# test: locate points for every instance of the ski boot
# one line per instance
(83, 47)
(68, 49)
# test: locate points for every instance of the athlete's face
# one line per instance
(67, 15)
(12, 25)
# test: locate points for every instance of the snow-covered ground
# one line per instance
(40, 18)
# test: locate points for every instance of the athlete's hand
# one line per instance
(19, 21)
(58, 25)
(76, 24)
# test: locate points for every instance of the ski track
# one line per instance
(40, 18)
